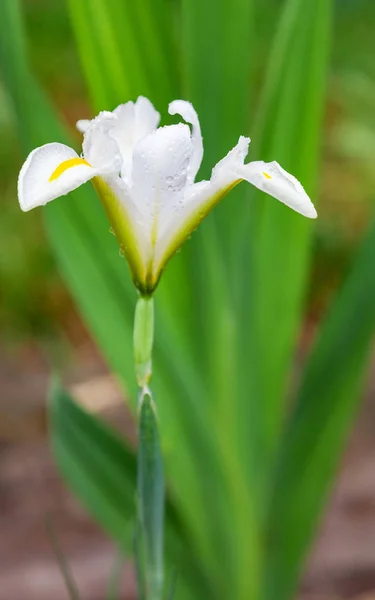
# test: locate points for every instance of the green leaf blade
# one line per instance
(97, 465)
(150, 494)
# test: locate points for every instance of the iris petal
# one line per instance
(36, 184)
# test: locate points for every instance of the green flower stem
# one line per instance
(143, 339)
(150, 495)
(150, 477)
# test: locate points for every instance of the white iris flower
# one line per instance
(145, 177)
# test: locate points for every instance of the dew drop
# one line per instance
(121, 252)
(111, 230)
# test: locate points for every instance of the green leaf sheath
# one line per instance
(150, 496)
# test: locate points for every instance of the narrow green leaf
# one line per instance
(150, 494)
(97, 465)
(217, 54)
(62, 562)
(93, 63)
(327, 401)
(101, 471)
(140, 561)
(135, 36)
(96, 274)
(291, 121)
(122, 51)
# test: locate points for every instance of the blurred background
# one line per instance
(40, 327)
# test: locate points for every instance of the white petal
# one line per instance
(188, 113)
(201, 197)
(160, 166)
(225, 172)
(36, 184)
(146, 118)
(198, 200)
(125, 116)
(82, 125)
(126, 220)
(134, 122)
(268, 177)
(275, 181)
(99, 149)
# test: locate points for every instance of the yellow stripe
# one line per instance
(266, 175)
(67, 164)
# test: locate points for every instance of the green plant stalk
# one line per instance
(143, 340)
(150, 476)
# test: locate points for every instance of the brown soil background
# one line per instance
(341, 565)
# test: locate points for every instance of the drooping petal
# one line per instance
(159, 175)
(268, 177)
(188, 113)
(200, 198)
(275, 181)
(134, 122)
(49, 172)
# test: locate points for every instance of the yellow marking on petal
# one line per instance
(67, 164)
(266, 175)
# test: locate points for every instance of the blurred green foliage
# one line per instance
(247, 479)
(31, 292)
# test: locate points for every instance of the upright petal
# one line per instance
(134, 122)
(82, 125)
(123, 134)
(160, 167)
(188, 113)
(201, 197)
(146, 118)
(100, 150)
(49, 172)
(225, 170)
